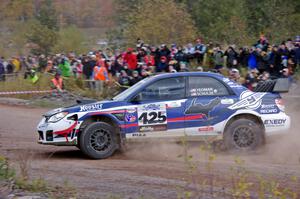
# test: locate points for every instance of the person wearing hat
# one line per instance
(57, 82)
(163, 65)
(234, 75)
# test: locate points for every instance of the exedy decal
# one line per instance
(198, 108)
(248, 100)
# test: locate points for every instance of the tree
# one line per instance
(159, 21)
(43, 38)
(70, 40)
(44, 29)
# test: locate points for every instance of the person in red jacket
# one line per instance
(131, 59)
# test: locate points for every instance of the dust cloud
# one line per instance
(282, 149)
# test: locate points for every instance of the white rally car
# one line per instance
(173, 105)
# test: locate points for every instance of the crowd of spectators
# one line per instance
(98, 67)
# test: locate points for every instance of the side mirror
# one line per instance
(137, 98)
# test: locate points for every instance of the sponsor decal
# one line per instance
(268, 108)
(206, 128)
(91, 107)
(130, 118)
(138, 135)
(227, 101)
(205, 109)
(248, 100)
(150, 107)
(265, 111)
(174, 104)
(153, 128)
(203, 91)
(274, 122)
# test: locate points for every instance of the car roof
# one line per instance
(179, 74)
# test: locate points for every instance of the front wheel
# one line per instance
(243, 134)
(98, 140)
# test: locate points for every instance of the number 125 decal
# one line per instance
(152, 118)
(152, 114)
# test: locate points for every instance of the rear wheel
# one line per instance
(243, 134)
(98, 140)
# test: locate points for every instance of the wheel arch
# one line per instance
(252, 116)
(100, 118)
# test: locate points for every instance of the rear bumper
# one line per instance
(276, 123)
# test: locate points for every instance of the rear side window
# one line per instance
(165, 89)
(205, 86)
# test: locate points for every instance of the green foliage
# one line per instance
(159, 21)
(5, 171)
(70, 39)
(225, 21)
(44, 29)
(43, 37)
(47, 15)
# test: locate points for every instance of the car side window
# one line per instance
(165, 89)
(205, 86)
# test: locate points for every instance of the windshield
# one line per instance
(123, 95)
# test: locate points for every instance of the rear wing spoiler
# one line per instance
(280, 85)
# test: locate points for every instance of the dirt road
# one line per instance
(153, 170)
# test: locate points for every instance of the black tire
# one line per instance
(243, 135)
(98, 140)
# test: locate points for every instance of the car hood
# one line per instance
(86, 106)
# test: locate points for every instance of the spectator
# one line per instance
(49, 66)
(10, 67)
(218, 58)
(189, 51)
(17, 64)
(124, 80)
(234, 75)
(116, 67)
(57, 83)
(200, 50)
(42, 63)
(275, 62)
(252, 62)
(100, 76)
(131, 59)
(2, 71)
(163, 65)
(231, 57)
(31, 75)
(65, 67)
(243, 57)
(164, 52)
(180, 56)
(135, 78)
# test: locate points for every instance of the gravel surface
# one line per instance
(149, 170)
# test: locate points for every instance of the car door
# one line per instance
(158, 109)
(207, 99)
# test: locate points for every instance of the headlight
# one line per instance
(58, 116)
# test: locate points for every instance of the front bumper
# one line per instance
(63, 132)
